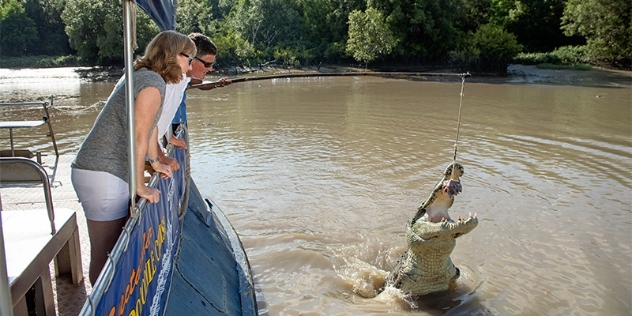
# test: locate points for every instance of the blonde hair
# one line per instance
(161, 55)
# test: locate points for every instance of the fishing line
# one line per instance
(214, 84)
(458, 123)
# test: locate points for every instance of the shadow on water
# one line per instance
(462, 298)
(450, 303)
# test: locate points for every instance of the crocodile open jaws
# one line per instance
(426, 266)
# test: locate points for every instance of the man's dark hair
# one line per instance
(204, 44)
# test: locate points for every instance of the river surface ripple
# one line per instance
(320, 175)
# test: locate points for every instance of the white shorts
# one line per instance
(103, 196)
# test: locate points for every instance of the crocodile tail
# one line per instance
(394, 278)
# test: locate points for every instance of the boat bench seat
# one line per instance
(33, 238)
(21, 124)
(30, 247)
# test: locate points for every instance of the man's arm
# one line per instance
(222, 82)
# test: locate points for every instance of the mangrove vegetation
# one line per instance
(474, 35)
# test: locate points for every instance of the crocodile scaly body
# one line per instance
(431, 235)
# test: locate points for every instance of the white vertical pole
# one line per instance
(129, 96)
(6, 306)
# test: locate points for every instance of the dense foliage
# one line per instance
(369, 35)
(606, 25)
(482, 35)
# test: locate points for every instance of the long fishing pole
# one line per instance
(213, 84)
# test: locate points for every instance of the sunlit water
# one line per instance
(319, 177)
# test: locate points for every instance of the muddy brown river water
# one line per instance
(320, 175)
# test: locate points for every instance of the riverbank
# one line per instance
(594, 77)
(516, 73)
(527, 74)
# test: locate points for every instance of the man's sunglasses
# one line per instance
(187, 56)
(206, 65)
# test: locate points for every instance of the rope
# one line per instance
(187, 173)
(458, 124)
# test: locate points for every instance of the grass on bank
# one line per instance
(566, 57)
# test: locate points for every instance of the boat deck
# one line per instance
(69, 298)
(211, 252)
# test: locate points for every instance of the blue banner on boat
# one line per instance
(163, 12)
(142, 277)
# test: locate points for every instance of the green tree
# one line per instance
(46, 14)
(265, 23)
(315, 33)
(489, 49)
(223, 8)
(18, 31)
(85, 21)
(606, 25)
(472, 14)
(369, 35)
(425, 29)
(197, 16)
(95, 30)
(232, 48)
(536, 23)
(337, 22)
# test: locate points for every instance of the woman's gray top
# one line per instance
(105, 147)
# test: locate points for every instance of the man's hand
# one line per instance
(195, 80)
(178, 142)
(222, 82)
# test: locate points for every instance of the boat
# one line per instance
(176, 257)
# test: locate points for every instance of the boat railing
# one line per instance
(108, 272)
(31, 124)
(45, 120)
(20, 170)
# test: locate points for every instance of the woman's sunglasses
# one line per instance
(189, 57)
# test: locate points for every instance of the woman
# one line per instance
(100, 170)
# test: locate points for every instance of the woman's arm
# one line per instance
(154, 152)
(146, 107)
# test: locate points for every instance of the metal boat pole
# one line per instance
(101, 286)
(128, 9)
(6, 307)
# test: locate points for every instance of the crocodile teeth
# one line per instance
(460, 218)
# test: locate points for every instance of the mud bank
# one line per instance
(518, 74)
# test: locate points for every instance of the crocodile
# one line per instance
(431, 235)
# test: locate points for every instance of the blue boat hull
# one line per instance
(211, 274)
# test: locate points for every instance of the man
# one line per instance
(202, 63)
(174, 106)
